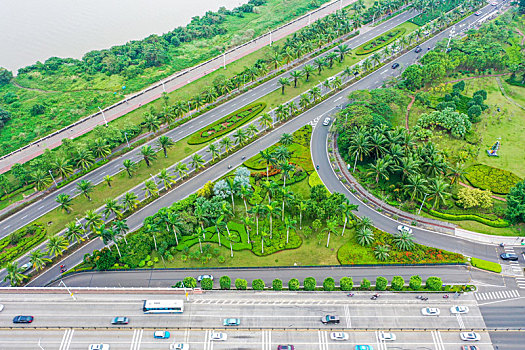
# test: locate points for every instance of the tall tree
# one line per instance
(38, 259)
(112, 207)
(64, 200)
(165, 143)
(14, 274)
(85, 187)
(148, 154)
(130, 166)
(56, 245)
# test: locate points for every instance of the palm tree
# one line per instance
(286, 169)
(289, 223)
(41, 179)
(283, 82)
(151, 122)
(346, 211)
(286, 139)
(65, 202)
(320, 63)
(296, 74)
(129, 165)
(182, 169)
(438, 190)
(359, 147)
(38, 260)
(416, 186)
(248, 222)
(381, 252)
(308, 69)
(271, 210)
(219, 222)
(257, 210)
(365, 236)
(404, 241)
(281, 111)
(130, 201)
(62, 167)
(282, 154)
(212, 149)
(14, 274)
(165, 142)
(74, 232)
(108, 179)
(364, 222)
(304, 101)
(331, 227)
(245, 192)
(85, 187)
(100, 148)
(379, 169)
(315, 92)
(301, 206)
(456, 173)
(266, 121)
(121, 227)
(275, 59)
(84, 158)
(377, 143)
(148, 154)
(226, 143)
(268, 157)
(197, 161)
(150, 188)
(331, 57)
(342, 50)
(251, 130)
(93, 220)
(112, 206)
(166, 178)
(408, 166)
(240, 136)
(56, 245)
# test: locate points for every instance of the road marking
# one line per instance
(25, 216)
(266, 340)
(40, 207)
(506, 294)
(137, 339)
(347, 317)
(338, 99)
(323, 340)
(383, 72)
(460, 321)
(438, 341)
(66, 339)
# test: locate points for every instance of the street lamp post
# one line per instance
(163, 87)
(55, 181)
(419, 211)
(126, 136)
(224, 59)
(67, 288)
(103, 116)
(270, 31)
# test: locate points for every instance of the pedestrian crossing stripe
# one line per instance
(502, 294)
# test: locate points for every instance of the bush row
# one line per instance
(380, 42)
(459, 217)
(20, 241)
(485, 265)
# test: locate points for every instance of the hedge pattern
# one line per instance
(29, 237)
(488, 178)
(460, 217)
(380, 42)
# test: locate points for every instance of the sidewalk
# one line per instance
(489, 239)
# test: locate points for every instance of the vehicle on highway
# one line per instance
(509, 256)
(23, 319)
(161, 335)
(494, 3)
(231, 322)
(285, 347)
(403, 228)
(418, 49)
(201, 277)
(180, 347)
(327, 319)
(120, 320)
(163, 306)
(1, 307)
(99, 347)
(387, 336)
(459, 309)
(339, 336)
(469, 347)
(430, 311)
(26, 267)
(469, 336)
(218, 336)
(364, 347)
(477, 13)
(326, 121)
(395, 65)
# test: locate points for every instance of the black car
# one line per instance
(418, 49)
(327, 319)
(23, 319)
(395, 65)
(509, 256)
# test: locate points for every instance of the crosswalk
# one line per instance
(515, 266)
(266, 340)
(438, 341)
(502, 294)
(347, 317)
(520, 281)
(66, 339)
(136, 339)
(323, 340)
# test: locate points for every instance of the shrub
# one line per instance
(459, 217)
(277, 284)
(488, 178)
(434, 283)
(381, 283)
(258, 284)
(346, 283)
(485, 265)
(397, 283)
(415, 282)
(225, 282)
(207, 284)
(329, 284)
(309, 283)
(241, 284)
(293, 284)
(365, 284)
(190, 282)
(380, 42)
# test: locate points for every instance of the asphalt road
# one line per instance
(36, 210)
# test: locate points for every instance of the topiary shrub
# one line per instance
(309, 284)
(415, 282)
(488, 178)
(293, 284)
(397, 283)
(346, 283)
(258, 284)
(277, 284)
(329, 284)
(225, 282)
(241, 284)
(365, 284)
(190, 282)
(381, 283)
(434, 283)
(207, 284)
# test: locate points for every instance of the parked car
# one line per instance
(120, 320)
(231, 322)
(403, 228)
(395, 65)
(327, 319)
(218, 336)
(387, 336)
(180, 347)
(459, 309)
(285, 347)
(23, 319)
(430, 311)
(469, 336)
(418, 49)
(509, 256)
(326, 121)
(339, 336)
(99, 347)
(201, 277)
(161, 334)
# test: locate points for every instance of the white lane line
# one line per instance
(338, 99)
(64, 339)
(25, 216)
(40, 207)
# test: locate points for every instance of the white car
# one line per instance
(469, 336)
(458, 309)
(201, 277)
(387, 336)
(403, 228)
(180, 347)
(218, 336)
(494, 3)
(26, 267)
(99, 347)
(339, 336)
(1, 307)
(326, 121)
(477, 13)
(430, 311)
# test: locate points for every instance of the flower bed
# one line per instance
(27, 238)
(227, 123)
(488, 178)
(380, 42)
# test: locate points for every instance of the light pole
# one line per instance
(451, 34)
(224, 59)
(50, 173)
(67, 288)
(419, 211)
(103, 116)
(163, 87)
(309, 18)
(126, 136)
(270, 31)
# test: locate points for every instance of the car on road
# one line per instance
(469, 336)
(161, 334)
(363, 347)
(120, 320)
(99, 347)
(509, 256)
(231, 322)
(201, 277)
(327, 319)
(285, 347)
(477, 13)
(218, 336)
(418, 49)
(469, 347)
(494, 3)
(180, 347)
(326, 121)
(26, 267)
(339, 336)
(1, 307)
(430, 311)
(23, 319)
(387, 336)
(395, 65)
(403, 228)
(459, 309)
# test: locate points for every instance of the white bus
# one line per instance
(163, 306)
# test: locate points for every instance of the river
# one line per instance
(34, 30)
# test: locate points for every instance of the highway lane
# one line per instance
(34, 211)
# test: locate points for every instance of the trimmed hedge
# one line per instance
(453, 217)
(225, 282)
(309, 283)
(29, 237)
(488, 178)
(241, 284)
(277, 284)
(314, 179)
(227, 123)
(380, 42)
(485, 265)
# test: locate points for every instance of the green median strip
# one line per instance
(485, 265)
